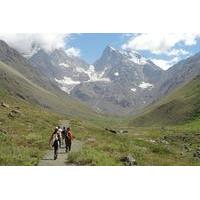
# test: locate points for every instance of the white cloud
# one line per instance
(177, 52)
(28, 44)
(165, 64)
(159, 43)
(73, 52)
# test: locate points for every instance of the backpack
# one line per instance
(55, 141)
(64, 133)
(69, 135)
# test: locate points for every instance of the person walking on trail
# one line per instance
(69, 139)
(63, 133)
(64, 137)
(54, 141)
(59, 135)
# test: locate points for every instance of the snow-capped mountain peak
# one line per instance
(134, 56)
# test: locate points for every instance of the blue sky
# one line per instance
(91, 45)
(164, 49)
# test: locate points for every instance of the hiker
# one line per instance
(69, 139)
(64, 133)
(55, 142)
(59, 135)
(64, 137)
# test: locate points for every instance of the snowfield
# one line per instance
(145, 85)
(133, 89)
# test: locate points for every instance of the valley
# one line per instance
(124, 109)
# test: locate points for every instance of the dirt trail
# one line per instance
(62, 155)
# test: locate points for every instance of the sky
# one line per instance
(164, 49)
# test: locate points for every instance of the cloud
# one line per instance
(73, 52)
(177, 52)
(28, 44)
(165, 64)
(160, 43)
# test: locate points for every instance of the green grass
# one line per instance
(172, 140)
(25, 137)
(180, 107)
(104, 148)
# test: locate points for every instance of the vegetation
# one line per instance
(181, 106)
(171, 135)
(24, 135)
(170, 145)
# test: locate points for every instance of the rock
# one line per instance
(5, 105)
(91, 140)
(187, 148)
(17, 107)
(164, 141)
(15, 111)
(197, 153)
(123, 131)
(152, 141)
(110, 130)
(128, 160)
(11, 115)
(3, 131)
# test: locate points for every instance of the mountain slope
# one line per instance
(21, 79)
(127, 80)
(178, 107)
(179, 74)
(13, 58)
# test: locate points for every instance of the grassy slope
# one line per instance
(149, 146)
(18, 85)
(179, 107)
(171, 144)
(26, 133)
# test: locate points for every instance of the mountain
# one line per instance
(66, 71)
(21, 80)
(128, 65)
(127, 79)
(119, 82)
(180, 106)
(178, 75)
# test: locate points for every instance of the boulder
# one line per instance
(128, 160)
(3, 131)
(164, 141)
(11, 115)
(4, 105)
(15, 111)
(197, 153)
(187, 148)
(123, 131)
(111, 130)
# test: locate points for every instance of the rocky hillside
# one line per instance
(180, 106)
(127, 82)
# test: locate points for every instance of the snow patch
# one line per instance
(145, 85)
(93, 75)
(134, 56)
(116, 73)
(64, 65)
(133, 89)
(67, 84)
(112, 48)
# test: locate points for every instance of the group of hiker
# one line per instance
(61, 136)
